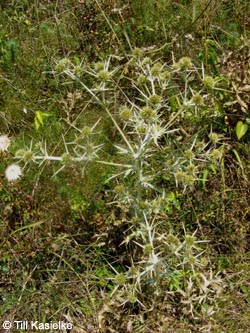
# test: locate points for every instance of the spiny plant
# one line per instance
(157, 110)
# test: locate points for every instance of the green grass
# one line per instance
(62, 243)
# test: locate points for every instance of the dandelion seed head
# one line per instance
(4, 143)
(13, 172)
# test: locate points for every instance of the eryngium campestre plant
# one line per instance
(158, 110)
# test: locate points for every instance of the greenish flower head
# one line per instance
(66, 158)
(189, 155)
(166, 75)
(143, 204)
(90, 148)
(154, 99)
(189, 180)
(133, 271)
(185, 63)
(197, 99)
(204, 261)
(200, 145)
(214, 138)
(141, 79)
(208, 81)
(147, 61)
(19, 153)
(25, 155)
(98, 66)
(141, 129)
(180, 176)
(132, 298)
(135, 219)
(63, 65)
(119, 189)
(172, 240)
(104, 75)
(190, 241)
(78, 70)
(147, 249)
(85, 134)
(137, 52)
(191, 169)
(216, 154)
(125, 113)
(156, 69)
(192, 260)
(120, 279)
(147, 113)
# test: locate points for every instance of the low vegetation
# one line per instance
(124, 165)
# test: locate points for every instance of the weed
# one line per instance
(143, 127)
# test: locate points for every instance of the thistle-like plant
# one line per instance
(154, 108)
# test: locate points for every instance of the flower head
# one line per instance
(147, 112)
(214, 137)
(154, 99)
(141, 79)
(4, 143)
(99, 66)
(208, 81)
(125, 113)
(146, 61)
(13, 172)
(185, 63)
(137, 52)
(156, 69)
(104, 75)
(197, 99)
(63, 64)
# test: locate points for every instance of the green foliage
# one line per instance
(39, 118)
(241, 129)
(209, 57)
(8, 51)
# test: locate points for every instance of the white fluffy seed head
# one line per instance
(4, 142)
(13, 172)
